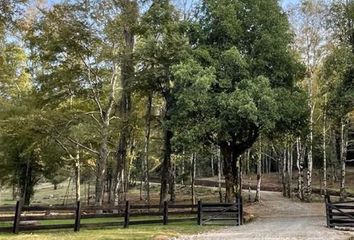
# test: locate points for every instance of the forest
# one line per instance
(119, 94)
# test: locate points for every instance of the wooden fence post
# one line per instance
(16, 225)
(77, 217)
(238, 212)
(199, 218)
(165, 213)
(328, 210)
(126, 215)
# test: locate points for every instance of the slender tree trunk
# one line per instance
(77, 175)
(248, 162)
(218, 154)
(324, 150)
(88, 193)
(334, 157)
(300, 167)
(284, 173)
(193, 171)
(259, 174)
(290, 170)
(309, 156)
(212, 165)
(146, 149)
(343, 156)
(101, 166)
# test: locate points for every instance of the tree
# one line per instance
(252, 57)
(78, 60)
(162, 45)
(311, 41)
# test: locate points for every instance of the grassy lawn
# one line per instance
(133, 232)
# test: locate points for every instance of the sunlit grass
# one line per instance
(133, 232)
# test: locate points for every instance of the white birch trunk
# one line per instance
(259, 174)
(343, 155)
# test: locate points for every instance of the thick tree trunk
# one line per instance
(172, 183)
(228, 173)
(343, 155)
(259, 174)
(166, 166)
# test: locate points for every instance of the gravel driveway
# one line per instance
(280, 218)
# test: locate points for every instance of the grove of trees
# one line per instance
(120, 92)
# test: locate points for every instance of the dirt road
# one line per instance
(282, 219)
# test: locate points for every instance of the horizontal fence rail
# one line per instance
(339, 214)
(25, 218)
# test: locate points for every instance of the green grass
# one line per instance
(133, 232)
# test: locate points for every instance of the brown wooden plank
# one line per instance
(102, 215)
(47, 217)
(7, 218)
(5, 229)
(137, 206)
(45, 227)
(152, 221)
(218, 205)
(48, 208)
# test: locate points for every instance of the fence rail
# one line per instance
(339, 214)
(24, 218)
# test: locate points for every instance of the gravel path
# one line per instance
(280, 218)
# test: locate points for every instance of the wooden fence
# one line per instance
(26, 218)
(339, 214)
(221, 213)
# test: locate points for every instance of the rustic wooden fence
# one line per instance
(220, 213)
(339, 214)
(30, 218)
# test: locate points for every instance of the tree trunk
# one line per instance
(129, 12)
(309, 156)
(290, 170)
(166, 167)
(226, 152)
(77, 175)
(343, 155)
(101, 166)
(259, 174)
(324, 150)
(146, 150)
(172, 183)
(284, 173)
(193, 170)
(300, 167)
(218, 154)
(212, 165)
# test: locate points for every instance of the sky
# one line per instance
(287, 2)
